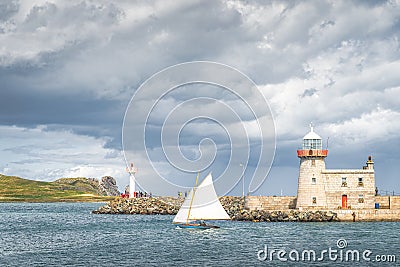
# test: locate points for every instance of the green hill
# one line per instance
(15, 189)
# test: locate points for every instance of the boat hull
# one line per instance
(197, 226)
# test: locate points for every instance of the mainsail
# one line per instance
(202, 203)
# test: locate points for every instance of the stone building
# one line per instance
(321, 188)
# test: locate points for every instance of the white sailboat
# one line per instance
(201, 204)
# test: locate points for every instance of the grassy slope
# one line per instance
(15, 189)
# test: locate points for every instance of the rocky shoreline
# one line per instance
(144, 205)
(234, 206)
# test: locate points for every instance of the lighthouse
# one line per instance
(311, 192)
(132, 170)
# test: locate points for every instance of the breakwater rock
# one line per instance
(154, 205)
(234, 206)
(285, 216)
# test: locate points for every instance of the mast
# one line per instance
(191, 201)
(202, 202)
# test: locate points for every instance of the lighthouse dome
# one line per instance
(312, 140)
(312, 135)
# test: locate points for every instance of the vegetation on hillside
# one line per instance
(15, 189)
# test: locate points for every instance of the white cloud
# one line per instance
(334, 63)
(376, 126)
(45, 155)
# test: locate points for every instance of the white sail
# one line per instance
(204, 206)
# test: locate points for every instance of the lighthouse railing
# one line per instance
(312, 152)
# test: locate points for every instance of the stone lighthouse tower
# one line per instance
(311, 192)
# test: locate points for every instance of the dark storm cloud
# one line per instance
(67, 84)
(27, 107)
(23, 105)
(36, 89)
(74, 65)
(8, 9)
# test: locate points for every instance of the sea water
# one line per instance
(58, 234)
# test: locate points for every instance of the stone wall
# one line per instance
(270, 203)
(395, 202)
(311, 184)
(359, 195)
(371, 215)
(384, 202)
(388, 202)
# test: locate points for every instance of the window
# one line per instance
(313, 180)
(344, 181)
(313, 162)
(360, 181)
(360, 198)
(314, 200)
(312, 144)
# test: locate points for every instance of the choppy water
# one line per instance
(68, 234)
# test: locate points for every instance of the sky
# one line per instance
(69, 69)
